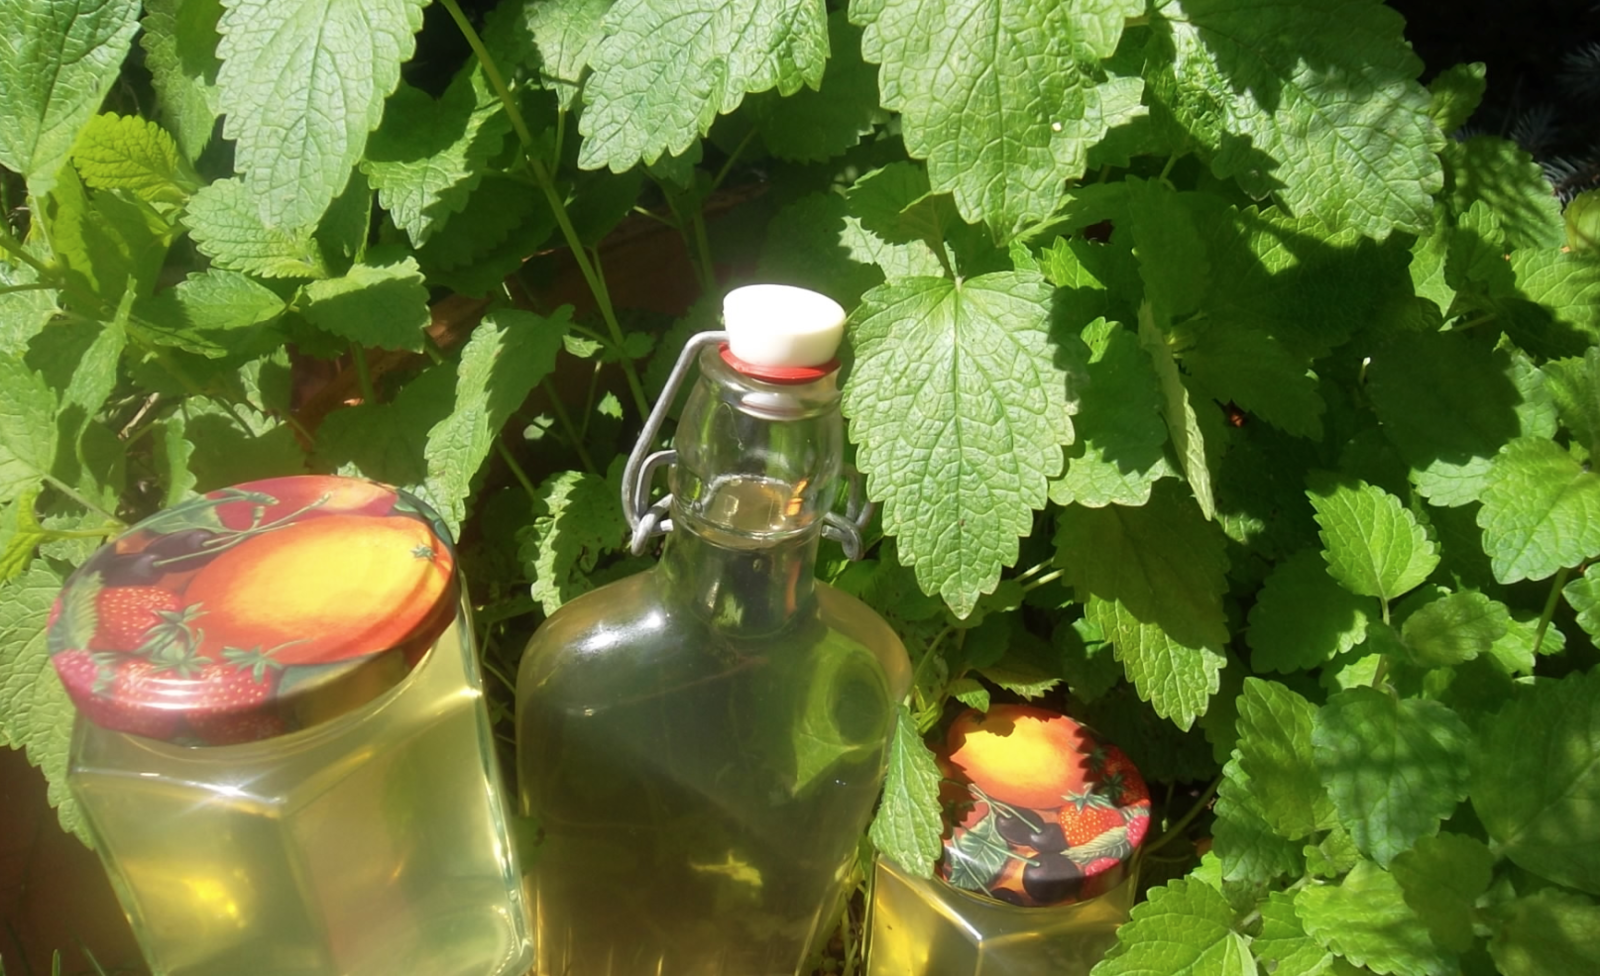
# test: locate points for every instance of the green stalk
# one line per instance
(727, 166)
(702, 245)
(1550, 602)
(565, 421)
(363, 373)
(516, 469)
(31, 286)
(14, 246)
(1183, 822)
(558, 206)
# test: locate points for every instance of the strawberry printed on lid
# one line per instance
(1039, 810)
(254, 610)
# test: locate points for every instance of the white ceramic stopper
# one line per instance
(782, 326)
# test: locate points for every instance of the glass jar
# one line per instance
(281, 749)
(701, 745)
(1042, 822)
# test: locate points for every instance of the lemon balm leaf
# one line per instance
(909, 825)
(1343, 136)
(1184, 929)
(1003, 98)
(302, 83)
(667, 68)
(1541, 511)
(1373, 546)
(959, 411)
(57, 61)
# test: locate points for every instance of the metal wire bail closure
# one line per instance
(648, 520)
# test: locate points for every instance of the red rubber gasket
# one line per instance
(778, 374)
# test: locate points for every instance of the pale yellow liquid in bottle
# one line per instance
(374, 843)
(923, 927)
(699, 797)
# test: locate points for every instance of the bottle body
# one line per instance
(698, 792)
(373, 843)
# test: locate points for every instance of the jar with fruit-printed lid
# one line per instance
(281, 746)
(1042, 820)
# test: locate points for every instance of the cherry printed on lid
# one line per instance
(1040, 810)
(254, 610)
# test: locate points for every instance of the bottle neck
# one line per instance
(757, 465)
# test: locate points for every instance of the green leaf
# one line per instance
(387, 441)
(35, 713)
(1333, 856)
(1185, 928)
(1455, 628)
(1177, 679)
(27, 428)
(509, 353)
(666, 69)
(1087, 659)
(1442, 878)
(1549, 933)
(1374, 547)
(959, 410)
(212, 313)
(1119, 452)
(1566, 284)
(576, 521)
(1003, 98)
(24, 313)
(1536, 780)
(382, 305)
(1283, 947)
(1503, 175)
(127, 152)
(1454, 94)
(224, 222)
(1343, 136)
(1303, 618)
(1182, 424)
(1172, 256)
(566, 33)
(816, 243)
(1366, 920)
(180, 47)
(1541, 511)
(1574, 385)
(20, 535)
(814, 125)
(57, 61)
(302, 82)
(1583, 594)
(1448, 403)
(908, 825)
(1275, 750)
(1259, 374)
(236, 443)
(103, 241)
(428, 156)
(1249, 848)
(173, 452)
(93, 374)
(1395, 767)
(1162, 562)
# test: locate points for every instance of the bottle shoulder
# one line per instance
(850, 617)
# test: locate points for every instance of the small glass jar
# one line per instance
(282, 749)
(1042, 822)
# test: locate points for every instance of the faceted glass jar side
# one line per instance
(373, 843)
(925, 927)
(701, 744)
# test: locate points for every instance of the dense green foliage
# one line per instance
(1205, 385)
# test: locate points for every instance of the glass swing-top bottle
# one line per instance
(700, 745)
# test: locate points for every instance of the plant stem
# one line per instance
(1550, 607)
(1050, 577)
(1184, 821)
(565, 420)
(702, 245)
(727, 166)
(1381, 672)
(31, 286)
(15, 247)
(516, 469)
(363, 373)
(541, 175)
(1034, 570)
(81, 499)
